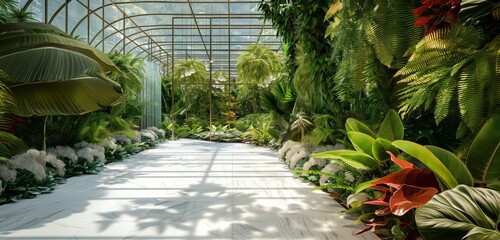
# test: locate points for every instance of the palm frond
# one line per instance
(452, 65)
(258, 64)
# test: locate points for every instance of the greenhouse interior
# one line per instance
(250, 119)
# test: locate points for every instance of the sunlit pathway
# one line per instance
(185, 189)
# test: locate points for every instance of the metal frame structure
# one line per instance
(175, 32)
(141, 38)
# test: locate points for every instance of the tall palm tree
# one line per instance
(191, 71)
(257, 66)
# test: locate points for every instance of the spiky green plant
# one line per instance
(131, 75)
(452, 66)
(9, 144)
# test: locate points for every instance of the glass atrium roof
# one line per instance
(163, 31)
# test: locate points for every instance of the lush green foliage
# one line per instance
(461, 213)
(82, 86)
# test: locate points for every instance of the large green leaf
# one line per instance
(392, 127)
(27, 36)
(72, 97)
(461, 213)
(483, 159)
(362, 142)
(353, 158)
(426, 157)
(354, 125)
(456, 167)
(50, 73)
(380, 148)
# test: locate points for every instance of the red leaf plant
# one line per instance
(436, 14)
(404, 190)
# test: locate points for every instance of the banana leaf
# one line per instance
(50, 73)
(483, 159)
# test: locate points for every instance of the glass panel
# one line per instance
(37, 7)
(58, 17)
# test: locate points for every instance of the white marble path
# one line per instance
(185, 189)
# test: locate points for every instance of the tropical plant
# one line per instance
(408, 188)
(9, 144)
(130, 77)
(461, 213)
(258, 65)
(404, 190)
(325, 131)
(481, 165)
(191, 72)
(482, 14)
(369, 40)
(371, 150)
(434, 15)
(300, 127)
(52, 54)
(483, 159)
(452, 66)
(20, 15)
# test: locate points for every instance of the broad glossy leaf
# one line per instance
(380, 148)
(425, 156)
(410, 176)
(494, 185)
(353, 158)
(483, 160)
(362, 186)
(354, 125)
(460, 212)
(361, 142)
(41, 35)
(408, 197)
(392, 127)
(73, 97)
(51, 73)
(456, 167)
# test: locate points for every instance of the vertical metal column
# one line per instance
(103, 26)
(46, 11)
(88, 22)
(210, 78)
(173, 81)
(123, 33)
(229, 51)
(66, 16)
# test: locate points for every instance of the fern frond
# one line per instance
(452, 65)
(333, 185)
